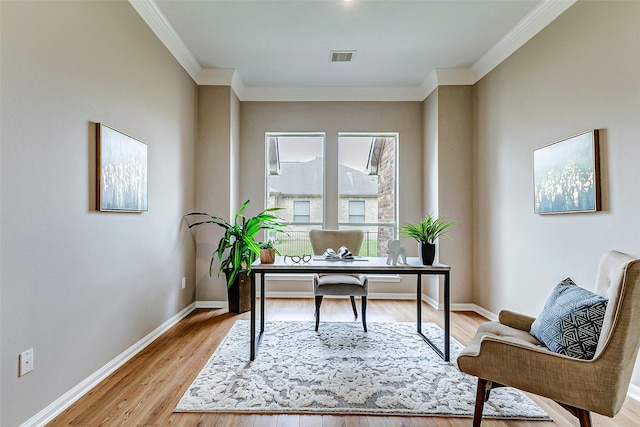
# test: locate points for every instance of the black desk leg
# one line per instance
(255, 340)
(262, 298)
(252, 323)
(444, 355)
(447, 316)
(419, 301)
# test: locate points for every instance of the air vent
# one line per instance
(342, 55)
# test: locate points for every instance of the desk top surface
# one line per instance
(360, 264)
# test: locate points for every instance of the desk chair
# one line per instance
(337, 284)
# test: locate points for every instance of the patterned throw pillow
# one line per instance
(571, 321)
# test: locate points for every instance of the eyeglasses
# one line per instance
(297, 258)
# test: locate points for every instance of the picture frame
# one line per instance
(121, 171)
(566, 175)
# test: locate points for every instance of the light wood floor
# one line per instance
(144, 391)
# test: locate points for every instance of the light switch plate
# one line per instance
(26, 362)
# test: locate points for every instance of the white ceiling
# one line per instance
(280, 49)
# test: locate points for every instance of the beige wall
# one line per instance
(333, 118)
(430, 176)
(448, 184)
(79, 286)
(579, 73)
(216, 170)
(455, 186)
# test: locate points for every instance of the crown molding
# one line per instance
(541, 16)
(455, 76)
(159, 24)
(215, 76)
(532, 24)
(331, 94)
(429, 84)
(447, 77)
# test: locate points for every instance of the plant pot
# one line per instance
(267, 256)
(239, 293)
(427, 253)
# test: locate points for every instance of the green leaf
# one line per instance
(427, 230)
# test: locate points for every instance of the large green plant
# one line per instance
(239, 239)
(427, 230)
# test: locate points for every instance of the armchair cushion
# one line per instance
(571, 321)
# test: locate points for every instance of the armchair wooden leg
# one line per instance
(364, 313)
(318, 302)
(480, 396)
(584, 417)
(353, 305)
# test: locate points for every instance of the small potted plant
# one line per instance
(239, 249)
(268, 251)
(426, 232)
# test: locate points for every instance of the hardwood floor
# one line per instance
(144, 391)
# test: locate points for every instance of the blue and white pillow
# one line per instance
(571, 321)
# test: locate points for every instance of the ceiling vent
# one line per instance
(342, 55)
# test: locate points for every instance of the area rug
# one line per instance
(341, 369)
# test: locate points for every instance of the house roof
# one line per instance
(306, 179)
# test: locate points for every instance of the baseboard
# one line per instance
(67, 399)
(432, 302)
(211, 304)
(634, 392)
(480, 310)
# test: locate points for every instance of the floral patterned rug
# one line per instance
(343, 370)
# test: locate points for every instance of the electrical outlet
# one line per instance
(184, 282)
(26, 362)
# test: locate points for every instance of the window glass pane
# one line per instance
(356, 211)
(367, 179)
(301, 211)
(295, 182)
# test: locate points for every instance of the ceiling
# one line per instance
(280, 49)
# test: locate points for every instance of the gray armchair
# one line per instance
(504, 353)
(339, 284)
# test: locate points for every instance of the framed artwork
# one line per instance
(566, 175)
(122, 171)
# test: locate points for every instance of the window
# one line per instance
(356, 211)
(301, 211)
(367, 188)
(295, 183)
(366, 196)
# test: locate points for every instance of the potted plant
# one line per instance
(426, 232)
(239, 249)
(268, 251)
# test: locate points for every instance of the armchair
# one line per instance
(504, 353)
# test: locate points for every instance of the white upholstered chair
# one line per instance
(339, 284)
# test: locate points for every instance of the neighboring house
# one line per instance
(298, 189)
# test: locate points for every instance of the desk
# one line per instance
(363, 265)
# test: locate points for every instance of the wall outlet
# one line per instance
(184, 282)
(25, 362)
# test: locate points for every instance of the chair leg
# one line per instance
(584, 417)
(353, 305)
(364, 313)
(480, 396)
(318, 302)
